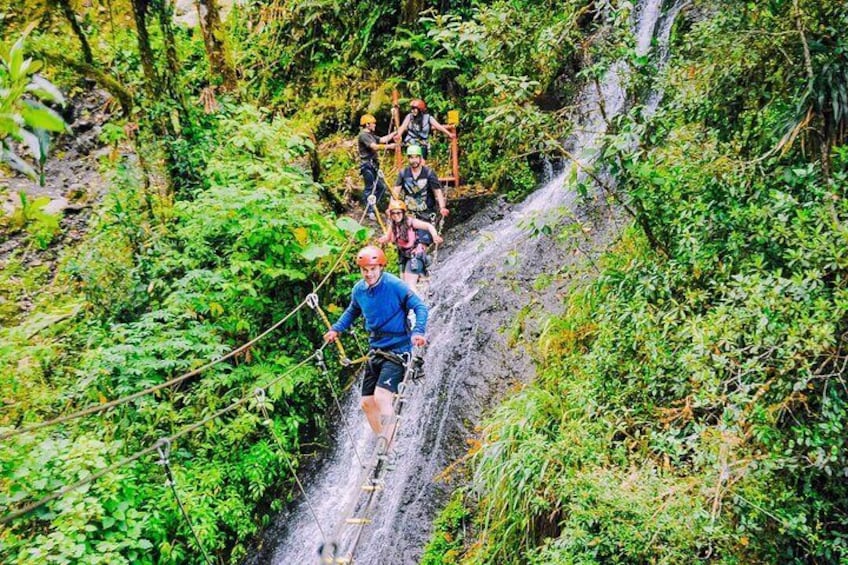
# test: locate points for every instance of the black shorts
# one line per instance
(417, 264)
(380, 372)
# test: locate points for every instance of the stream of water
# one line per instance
(477, 291)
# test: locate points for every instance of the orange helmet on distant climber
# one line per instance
(367, 119)
(370, 256)
(395, 204)
(422, 107)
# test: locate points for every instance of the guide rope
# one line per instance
(95, 409)
(319, 359)
(146, 451)
(261, 403)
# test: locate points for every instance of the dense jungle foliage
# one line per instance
(227, 160)
(691, 403)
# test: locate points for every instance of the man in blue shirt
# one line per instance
(384, 301)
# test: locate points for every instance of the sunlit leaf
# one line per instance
(45, 90)
(349, 225)
(38, 115)
(313, 251)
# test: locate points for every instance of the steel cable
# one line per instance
(129, 398)
(260, 402)
(164, 449)
(137, 455)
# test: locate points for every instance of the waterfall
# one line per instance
(476, 293)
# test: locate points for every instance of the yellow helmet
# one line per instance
(395, 204)
(367, 119)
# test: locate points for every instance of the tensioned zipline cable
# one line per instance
(139, 454)
(260, 403)
(95, 409)
(164, 449)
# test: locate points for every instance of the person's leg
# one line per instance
(372, 413)
(391, 374)
(369, 178)
(414, 268)
(383, 400)
(380, 188)
(411, 279)
(368, 402)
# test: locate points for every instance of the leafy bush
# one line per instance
(693, 397)
(189, 284)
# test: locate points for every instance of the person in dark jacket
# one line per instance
(419, 187)
(384, 301)
(368, 144)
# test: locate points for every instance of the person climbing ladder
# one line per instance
(384, 301)
(406, 233)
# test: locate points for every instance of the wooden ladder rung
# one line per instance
(363, 521)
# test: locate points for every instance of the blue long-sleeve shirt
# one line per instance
(385, 306)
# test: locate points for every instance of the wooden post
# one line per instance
(455, 156)
(396, 116)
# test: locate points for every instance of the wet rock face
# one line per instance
(486, 304)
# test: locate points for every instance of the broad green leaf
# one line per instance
(33, 144)
(8, 125)
(45, 90)
(38, 115)
(313, 251)
(349, 225)
(11, 158)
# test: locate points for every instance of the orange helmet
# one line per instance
(371, 256)
(422, 107)
(367, 119)
(395, 204)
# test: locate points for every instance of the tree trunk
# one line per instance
(101, 77)
(139, 8)
(165, 11)
(210, 25)
(410, 9)
(69, 14)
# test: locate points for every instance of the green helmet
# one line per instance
(413, 150)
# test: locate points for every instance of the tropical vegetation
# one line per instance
(690, 402)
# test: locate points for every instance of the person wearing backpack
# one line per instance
(407, 233)
(419, 187)
(417, 126)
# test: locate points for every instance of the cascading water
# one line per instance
(476, 294)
